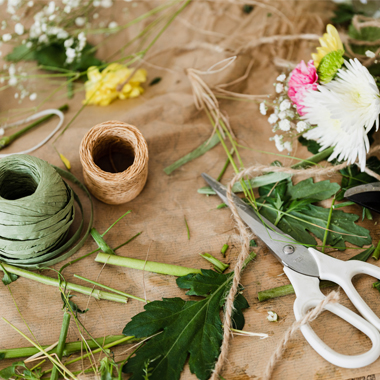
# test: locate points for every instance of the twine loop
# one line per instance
(108, 138)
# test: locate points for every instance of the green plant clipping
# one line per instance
(189, 329)
(218, 265)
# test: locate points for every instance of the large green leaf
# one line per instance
(318, 191)
(20, 53)
(187, 329)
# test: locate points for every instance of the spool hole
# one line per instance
(16, 184)
(113, 155)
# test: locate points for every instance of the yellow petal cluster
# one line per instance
(104, 87)
(329, 42)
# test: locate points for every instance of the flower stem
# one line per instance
(221, 174)
(376, 253)
(61, 343)
(109, 288)
(314, 159)
(149, 266)
(325, 236)
(97, 294)
(7, 140)
(218, 265)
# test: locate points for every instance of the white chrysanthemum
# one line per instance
(353, 98)
(348, 146)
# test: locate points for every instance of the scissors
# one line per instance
(305, 267)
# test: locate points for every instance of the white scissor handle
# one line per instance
(309, 296)
(342, 272)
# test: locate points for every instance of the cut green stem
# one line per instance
(224, 249)
(376, 253)
(149, 266)
(325, 236)
(109, 288)
(187, 228)
(218, 265)
(97, 294)
(221, 174)
(61, 343)
(7, 140)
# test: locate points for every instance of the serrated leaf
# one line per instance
(188, 328)
(343, 225)
(311, 145)
(318, 191)
(10, 371)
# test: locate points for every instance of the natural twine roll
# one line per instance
(114, 137)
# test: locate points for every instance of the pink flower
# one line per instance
(304, 78)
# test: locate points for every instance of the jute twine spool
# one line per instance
(103, 140)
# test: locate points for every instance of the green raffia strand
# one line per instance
(288, 289)
(187, 229)
(218, 265)
(7, 140)
(61, 342)
(34, 227)
(224, 249)
(376, 253)
(100, 242)
(202, 149)
(326, 234)
(109, 288)
(97, 294)
(149, 266)
(254, 183)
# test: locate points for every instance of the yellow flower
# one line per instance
(103, 87)
(329, 42)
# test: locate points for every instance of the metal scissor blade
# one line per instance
(367, 195)
(300, 260)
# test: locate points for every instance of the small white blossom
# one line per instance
(272, 118)
(279, 87)
(68, 42)
(106, 3)
(282, 115)
(12, 81)
(7, 37)
(80, 21)
(30, 4)
(16, 95)
(281, 77)
(96, 3)
(301, 126)
(370, 54)
(284, 125)
(62, 34)
(95, 16)
(2, 131)
(43, 39)
(263, 108)
(278, 141)
(288, 146)
(19, 29)
(112, 25)
(67, 9)
(51, 8)
(12, 70)
(272, 316)
(29, 44)
(33, 96)
(285, 105)
(70, 53)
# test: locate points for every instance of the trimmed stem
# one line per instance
(325, 236)
(149, 266)
(376, 253)
(7, 140)
(285, 290)
(225, 165)
(61, 343)
(109, 288)
(314, 159)
(97, 294)
(218, 265)
(70, 348)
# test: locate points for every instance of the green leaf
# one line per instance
(51, 55)
(364, 256)
(155, 81)
(2, 355)
(10, 371)
(370, 33)
(71, 305)
(311, 145)
(343, 225)
(20, 53)
(343, 14)
(352, 176)
(8, 277)
(318, 191)
(187, 329)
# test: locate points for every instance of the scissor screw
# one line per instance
(288, 249)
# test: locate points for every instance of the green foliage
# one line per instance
(188, 328)
(364, 255)
(71, 306)
(311, 145)
(252, 243)
(54, 56)
(8, 277)
(298, 217)
(329, 66)
(106, 369)
(352, 176)
(370, 33)
(247, 8)
(343, 14)
(15, 372)
(2, 355)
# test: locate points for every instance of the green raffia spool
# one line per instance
(36, 212)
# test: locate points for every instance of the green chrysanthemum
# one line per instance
(329, 66)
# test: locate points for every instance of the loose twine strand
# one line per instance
(246, 236)
(310, 316)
